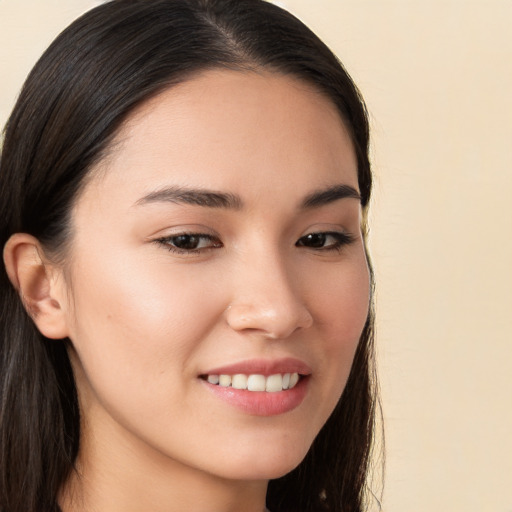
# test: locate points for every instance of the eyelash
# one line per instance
(170, 241)
(340, 240)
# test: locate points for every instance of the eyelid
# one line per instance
(342, 237)
(167, 242)
(182, 229)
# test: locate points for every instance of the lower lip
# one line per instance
(262, 403)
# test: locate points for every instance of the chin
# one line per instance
(266, 464)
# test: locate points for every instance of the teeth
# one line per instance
(225, 380)
(255, 382)
(239, 381)
(274, 383)
(213, 379)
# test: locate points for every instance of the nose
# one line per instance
(267, 300)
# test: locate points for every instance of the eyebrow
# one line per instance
(198, 197)
(216, 199)
(330, 195)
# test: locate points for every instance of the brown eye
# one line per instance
(315, 240)
(190, 242)
(325, 240)
(186, 242)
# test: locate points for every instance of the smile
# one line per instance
(255, 382)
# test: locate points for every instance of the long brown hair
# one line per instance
(89, 80)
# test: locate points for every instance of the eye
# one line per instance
(189, 242)
(325, 241)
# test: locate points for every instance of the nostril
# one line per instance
(275, 320)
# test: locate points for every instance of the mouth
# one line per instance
(260, 387)
(255, 382)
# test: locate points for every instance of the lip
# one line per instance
(261, 403)
(264, 367)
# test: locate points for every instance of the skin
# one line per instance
(145, 322)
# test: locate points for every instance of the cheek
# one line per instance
(138, 322)
(341, 302)
(341, 308)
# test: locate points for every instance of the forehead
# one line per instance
(224, 129)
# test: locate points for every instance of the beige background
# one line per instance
(437, 77)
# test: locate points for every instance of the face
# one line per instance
(220, 238)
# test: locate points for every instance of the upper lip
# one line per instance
(263, 367)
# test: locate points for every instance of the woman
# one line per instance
(186, 305)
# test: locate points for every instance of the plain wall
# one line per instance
(437, 78)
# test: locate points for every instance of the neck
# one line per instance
(124, 477)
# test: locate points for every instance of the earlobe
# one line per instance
(39, 284)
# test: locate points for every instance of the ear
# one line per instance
(40, 284)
